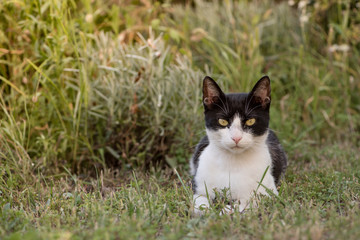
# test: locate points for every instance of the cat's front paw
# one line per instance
(200, 210)
(227, 210)
(201, 205)
(231, 209)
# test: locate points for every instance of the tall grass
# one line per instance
(74, 95)
(315, 83)
(83, 101)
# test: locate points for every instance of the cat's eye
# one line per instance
(223, 122)
(250, 122)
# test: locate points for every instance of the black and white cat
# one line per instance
(238, 146)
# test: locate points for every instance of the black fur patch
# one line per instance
(278, 157)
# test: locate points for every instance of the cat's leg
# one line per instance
(238, 206)
(201, 203)
(228, 209)
(267, 185)
(243, 205)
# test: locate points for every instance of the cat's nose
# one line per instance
(236, 139)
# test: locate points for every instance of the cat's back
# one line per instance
(278, 156)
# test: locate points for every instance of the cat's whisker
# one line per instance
(226, 110)
(247, 103)
(222, 109)
(248, 113)
(227, 106)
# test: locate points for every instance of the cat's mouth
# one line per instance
(240, 147)
(237, 147)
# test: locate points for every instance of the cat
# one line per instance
(238, 148)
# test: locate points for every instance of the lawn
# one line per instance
(100, 110)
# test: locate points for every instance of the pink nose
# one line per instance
(236, 139)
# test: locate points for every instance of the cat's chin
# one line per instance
(237, 149)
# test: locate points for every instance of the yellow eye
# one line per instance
(223, 122)
(250, 122)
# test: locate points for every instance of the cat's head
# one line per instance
(238, 121)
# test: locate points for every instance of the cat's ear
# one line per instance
(261, 92)
(211, 92)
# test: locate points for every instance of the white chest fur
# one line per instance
(241, 172)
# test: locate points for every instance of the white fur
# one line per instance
(239, 167)
(192, 167)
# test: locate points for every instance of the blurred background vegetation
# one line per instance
(94, 85)
(100, 102)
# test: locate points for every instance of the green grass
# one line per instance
(321, 200)
(100, 103)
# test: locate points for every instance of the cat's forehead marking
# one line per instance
(236, 122)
